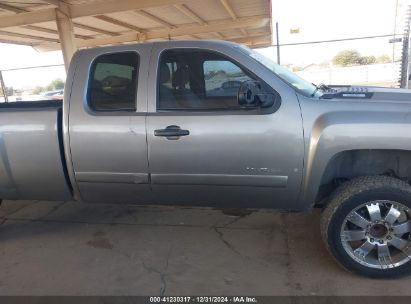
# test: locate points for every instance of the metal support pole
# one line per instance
(278, 43)
(3, 88)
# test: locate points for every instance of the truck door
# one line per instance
(203, 147)
(107, 124)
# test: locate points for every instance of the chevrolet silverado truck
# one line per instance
(212, 123)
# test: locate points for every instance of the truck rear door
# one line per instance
(106, 124)
(203, 147)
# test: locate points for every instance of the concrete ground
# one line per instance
(85, 249)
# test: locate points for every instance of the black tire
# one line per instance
(348, 197)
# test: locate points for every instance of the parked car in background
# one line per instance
(54, 95)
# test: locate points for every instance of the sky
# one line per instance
(332, 19)
(316, 20)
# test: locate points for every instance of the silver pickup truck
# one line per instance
(212, 123)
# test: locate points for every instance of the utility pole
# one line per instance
(3, 87)
(278, 43)
(395, 31)
(405, 62)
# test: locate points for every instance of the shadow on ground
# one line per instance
(70, 248)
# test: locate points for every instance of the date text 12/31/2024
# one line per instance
(201, 299)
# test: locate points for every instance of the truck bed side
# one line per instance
(31, 159)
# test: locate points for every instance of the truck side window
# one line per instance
(113, 82)
(198, 80)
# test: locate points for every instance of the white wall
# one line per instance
(375, 73)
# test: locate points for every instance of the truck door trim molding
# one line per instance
(110, 177)
(274, 181)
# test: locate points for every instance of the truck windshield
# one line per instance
(301, 85)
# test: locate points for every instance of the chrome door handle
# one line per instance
(171, 132)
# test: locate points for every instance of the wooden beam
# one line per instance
(112, 6)
(22, 11)
(249, 22)
(11, 8)
(119, 23)
(53, 2)
(40, 29)
(83, 10)
(12, 34)
(260, 45)
(219, 35)
(66, 36)
(27, 18)
(18, 10)
(229, 9)
(252, 22)
(15, 42)
(94, 29)
(155, 18)
(231, 12)
(54, 32)
(189, 13)
(91, 9)
(251, 40)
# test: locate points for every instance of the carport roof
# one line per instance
(105, 22)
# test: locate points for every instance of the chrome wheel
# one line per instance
(377, 234)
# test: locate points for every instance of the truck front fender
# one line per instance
(334, 132)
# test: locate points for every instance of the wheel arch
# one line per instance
(348, 164)
(333, 136)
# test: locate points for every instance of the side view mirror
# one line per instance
(251, 95)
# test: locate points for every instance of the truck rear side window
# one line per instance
(113, 82)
